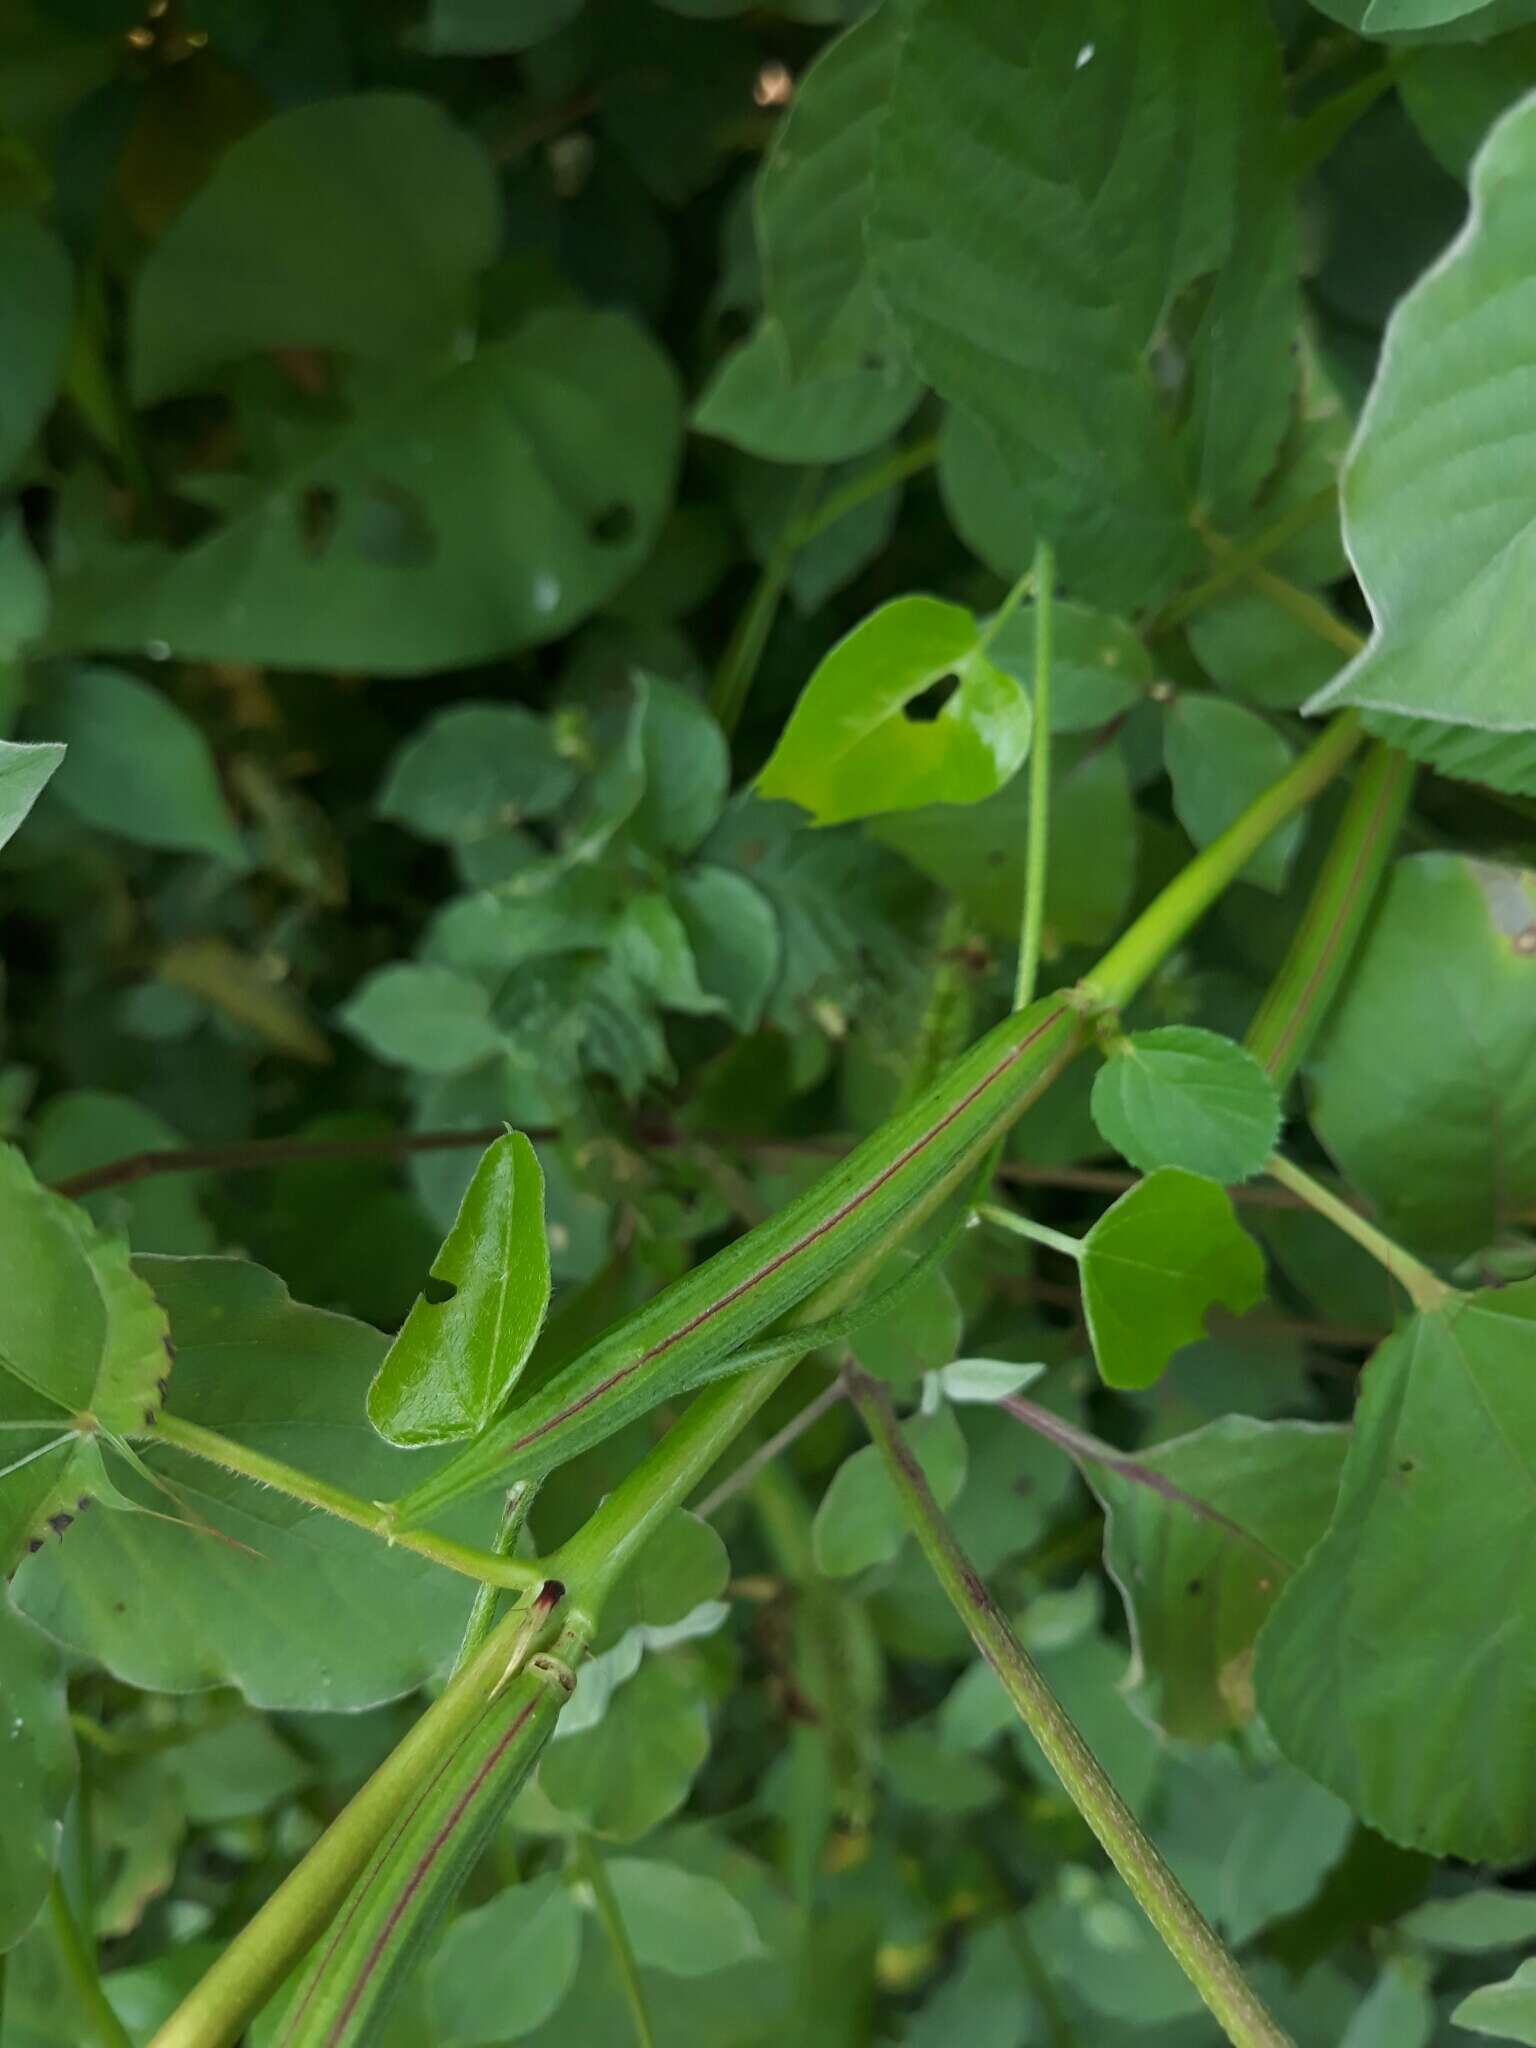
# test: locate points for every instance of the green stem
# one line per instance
(269, 1945)
(483, 1565)
(1237, 558)
(911, 460)
(1196, 887)
(1319, 955)
(483, 1608)
(1026, 1226)
(80, 1966)
(1039, 783)
(1190, 1939)
(1307, 610)
(593, 1869)
(1426, 1290)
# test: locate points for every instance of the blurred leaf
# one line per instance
(473, 770)
(1440, 534)
(457, 515)
(240, 987)
(623, 1776)
(24, 773)
(353, 224)
(680, 1922)
(920, 1333)
(1507, 2011)
(1220, 757)
(1442, 1135)
(241, 1768)
(1201, 1562)
(683, 1565)
(451, 1368)
(503, 1968)
(1099, 667)
(1398, 2011)
(1180, 1096)
(687, 768)
(1454, 92)
(985, 1380)
(754, 401)
(86, 1127)
(428, 1018)
(171, 1606)
(482, 28)
(1449, 1396)
(1474, 1922)
(34, 330)
(861, 1521)
(37, 1769)
(734, 938)
(81, 1335)
(1152, 1266)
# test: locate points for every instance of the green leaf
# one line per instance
(1201, 1538)
(485, 28)
(981, 1381)
(474, 770)
(81, 1335)
(755, 402)
(1442, 1135)
(1220, 757)
(854, 746)
(678, 1569)
(37, 1769)
(1032, 226)
(458, 514)
(355, 223)
(1507, 2011)
(1251, 1841)
(1455, 92)
(734, 937)
(978, 852)
(86, 1127)
(1441, 534)
(811, 197)
(429, 1018)
(241, 1768)
(450, 1370)
(920, 1333)
(252, 1593)
(635, 1767)
(137, 766)
(25, 603)
(1099, 666)
(1252, 649)
(24, 773)
(503, 1968)
(860, 1521)
(679, 1922)
(651, 945)
(1448, 1404)
(1473, 1922)
(1152, 1266)
(687, 768)
(1180, 1096)
(34, 330)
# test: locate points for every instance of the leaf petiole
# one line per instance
(1026, 1226)
(1426, 1290)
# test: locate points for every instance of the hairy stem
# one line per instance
(486, 1566)
(1319, 955)
(1189, 1937)
(79, 1962)
(1426, 1290)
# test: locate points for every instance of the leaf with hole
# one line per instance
(465, 1342)
(1180, 1096)
(907, 709)
(1153, 1265)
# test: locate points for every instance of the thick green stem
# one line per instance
(483, 1565)
(594, 1871)
(1196, 887)
(273, 1940)
(80, 1966)
(1190, 1939)
(1299, 997)
(1035, 860)
(1426, 1290)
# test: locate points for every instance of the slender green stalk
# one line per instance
(261, 1955)
(1236, 558)
(1036, 853)
(595, 1872)
(484, 1565)
(80, 1966)
(1426, 1290)
(487, 1601)
(911, 460)
(1307, 610)
(1196, 887)
(1190, 1939)
(1026, 1226)
(1299, 997)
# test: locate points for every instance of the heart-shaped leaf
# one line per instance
(1179, 1096)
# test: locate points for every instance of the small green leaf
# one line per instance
(1099, 666)
(503, 1969)
(1507, 2011)
(37, 1768)
(1152, 1266)
(138, 766)
(853, 745)
(424, 1017)
(24, 773)
(734, 935)
(683, 1565)
(1447, 1417)
(450, 1370)
(985, 1380)
(352, 223)
(687, 767)
(1220, 757)
(35, 319)
(237, 1769)
(1180, 1096)
(651, 945)
(755, 402)
(921, 1331)
(1198, 1586)
(860, 1520)
(680, 1922)
(474, 770)
(636, 1766)
(1473, 1922)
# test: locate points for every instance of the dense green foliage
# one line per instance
(521, 607)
